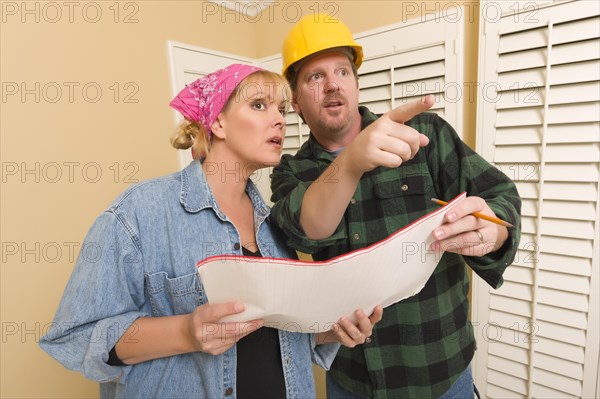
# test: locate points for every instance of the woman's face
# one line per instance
(253, 124)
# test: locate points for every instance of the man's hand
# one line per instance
(349, 334)
(387, 141)
(465, 234)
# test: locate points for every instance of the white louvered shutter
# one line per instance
(405, 61)
(402, 62)
(539, 122)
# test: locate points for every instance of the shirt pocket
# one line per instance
(171, 296)
(406, 197)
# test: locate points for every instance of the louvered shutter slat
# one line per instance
(540, 124)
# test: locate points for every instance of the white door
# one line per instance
(539, 121)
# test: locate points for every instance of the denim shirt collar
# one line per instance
(196, 194)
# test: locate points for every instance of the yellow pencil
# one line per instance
(480, 215)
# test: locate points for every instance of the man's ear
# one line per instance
(297, 109)
(218, 126)
(295, 105)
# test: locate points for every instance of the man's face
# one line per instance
(327, 95)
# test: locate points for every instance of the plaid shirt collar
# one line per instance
(316, 150)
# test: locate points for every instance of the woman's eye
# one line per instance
(259, 106)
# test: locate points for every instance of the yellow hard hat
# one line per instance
(314, 33)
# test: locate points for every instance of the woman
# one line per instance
(134, 316)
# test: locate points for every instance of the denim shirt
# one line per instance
(138, 260)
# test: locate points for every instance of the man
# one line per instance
(360, 178)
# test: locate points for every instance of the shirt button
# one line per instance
(228, 391)
(404, 187)
(353, 201)
(236, 246)
(356, 236)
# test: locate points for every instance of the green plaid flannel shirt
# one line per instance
(424, 342)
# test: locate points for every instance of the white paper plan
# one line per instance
(309, 297)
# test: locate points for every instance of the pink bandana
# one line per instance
(202, 100)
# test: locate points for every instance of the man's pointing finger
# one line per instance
(406, 112)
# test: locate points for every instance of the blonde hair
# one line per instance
(192, 134)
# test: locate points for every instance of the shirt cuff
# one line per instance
(323, 355)
(287, 213)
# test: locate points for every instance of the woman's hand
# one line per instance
(208, 335)
(349, 334)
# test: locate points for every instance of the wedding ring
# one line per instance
(479, 235)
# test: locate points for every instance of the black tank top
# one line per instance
(259, 368)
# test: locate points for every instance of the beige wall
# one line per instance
(109, 135)
(66, 155)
